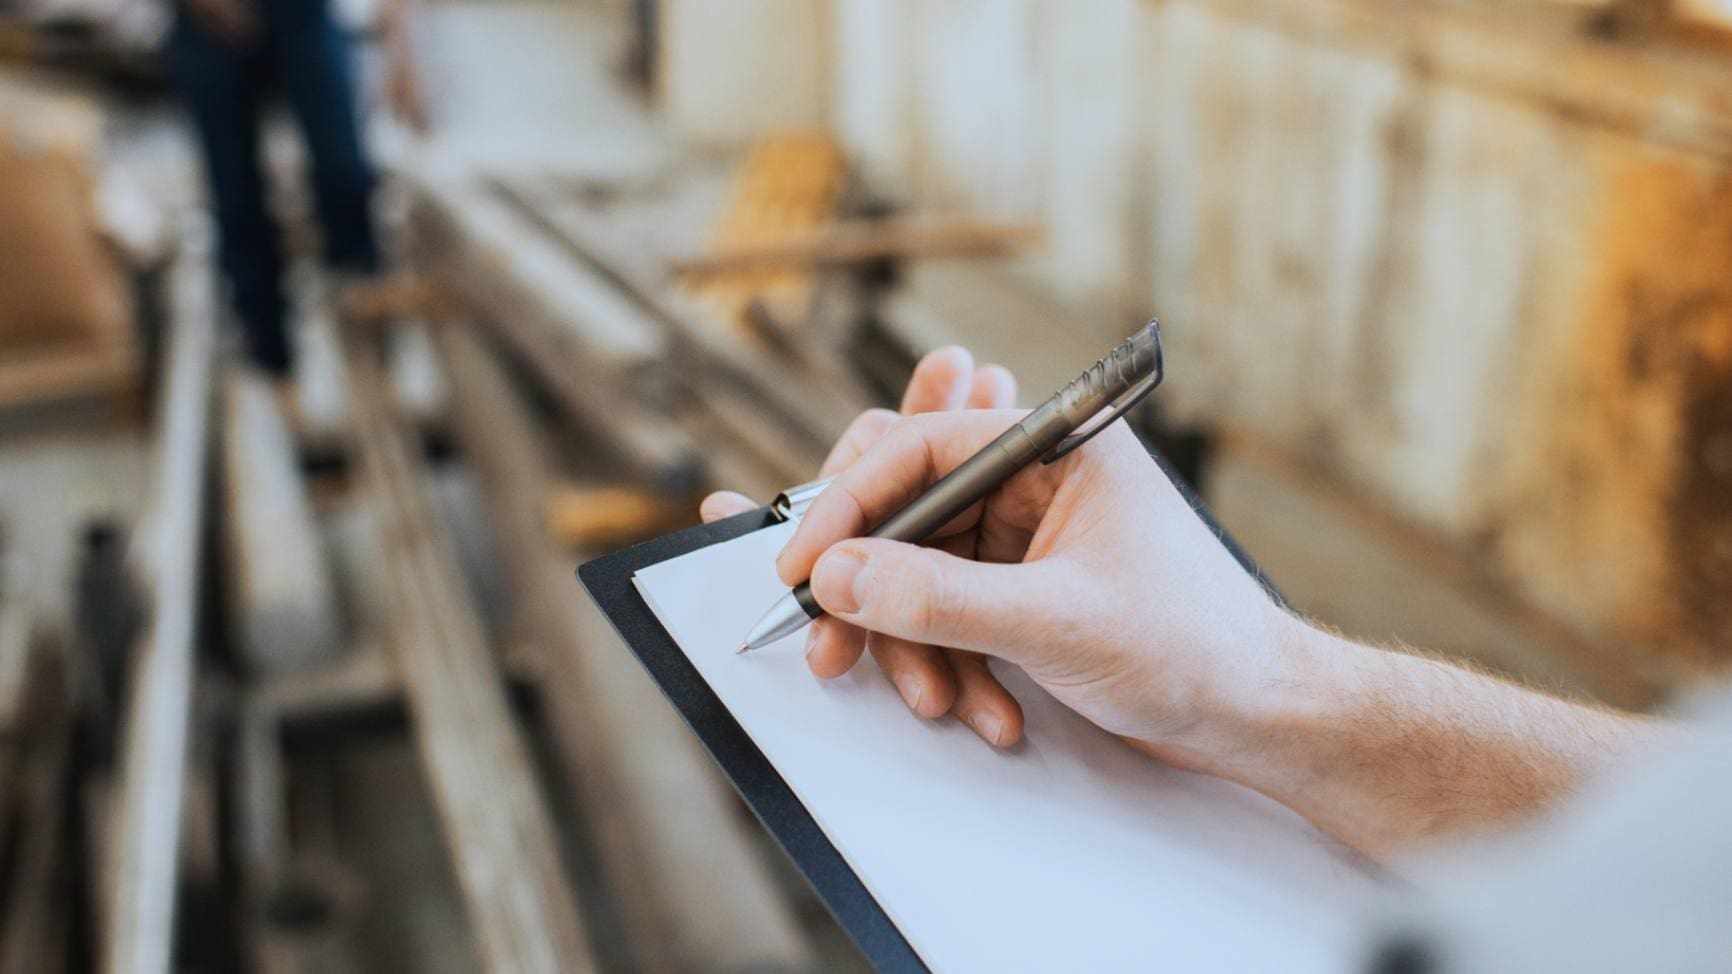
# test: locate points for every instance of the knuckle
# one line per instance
(872, 420)
(942, 602)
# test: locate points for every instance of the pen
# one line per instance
(1105, 392)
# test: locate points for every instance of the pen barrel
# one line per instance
(1033, 437)
(978, 476)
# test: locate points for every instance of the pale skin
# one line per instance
(1095, 578)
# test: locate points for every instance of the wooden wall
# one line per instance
(1475, 263)
(732, 69)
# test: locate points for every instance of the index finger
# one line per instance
(916, 452)
(990, 387)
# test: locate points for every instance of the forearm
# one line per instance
(1386, 750)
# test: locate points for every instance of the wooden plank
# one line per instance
(692, 890)
(139, 937)
(591, 347)
(508, 862)
(284, 605)
(848, 242)
(788, 183)
(814, 403)
(609, 517)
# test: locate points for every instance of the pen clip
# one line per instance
(1125, 402)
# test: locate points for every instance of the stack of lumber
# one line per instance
(66, 328)
(573, 287)
(787, 185)
(508, 860)
(691, 889)
(143, 850)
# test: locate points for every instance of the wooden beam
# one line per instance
(801, 388)
(284, 605)
(592, 347)
(508, 862)
(858, 241)
(694, 893)
(139, 938)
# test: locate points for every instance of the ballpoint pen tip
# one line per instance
(743, 650)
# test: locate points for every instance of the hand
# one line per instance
(403, 93)
(1091, 574)
(234, 22)
(932, 681)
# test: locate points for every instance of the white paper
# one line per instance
(1069, 852)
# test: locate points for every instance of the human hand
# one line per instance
(1091, 574)
(932, 680)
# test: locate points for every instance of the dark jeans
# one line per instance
(301, 51)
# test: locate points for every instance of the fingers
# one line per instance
(928, 596)
(940, 383)
(983, 703)
(919, 673)
(722, 504)
(916, 452)
(868, 428)
(994, 388)
(833, 647)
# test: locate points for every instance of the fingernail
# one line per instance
(911, 689)
(812, 640)
(836, 576)
(987, 725)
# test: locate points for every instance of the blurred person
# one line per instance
(1097, 578)
(225, 58)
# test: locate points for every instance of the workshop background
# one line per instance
(303, 681)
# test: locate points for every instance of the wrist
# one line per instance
(1294, 679)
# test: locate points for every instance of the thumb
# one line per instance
(929, 596)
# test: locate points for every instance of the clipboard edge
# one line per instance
(607, 580)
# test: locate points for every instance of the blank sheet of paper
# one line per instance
(1069, 852)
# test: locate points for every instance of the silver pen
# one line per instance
(1110, 388)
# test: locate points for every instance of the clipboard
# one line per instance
(609, 582)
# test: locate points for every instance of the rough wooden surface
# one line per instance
(592, 345)
(846, 242)
(508, 861)
(140, 918)
(284, 609)
(691, 889)
(800, 388)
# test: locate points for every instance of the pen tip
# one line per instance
(743, 650)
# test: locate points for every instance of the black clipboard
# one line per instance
(608, 580)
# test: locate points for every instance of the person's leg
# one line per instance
(313, 65)
(219, 85)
